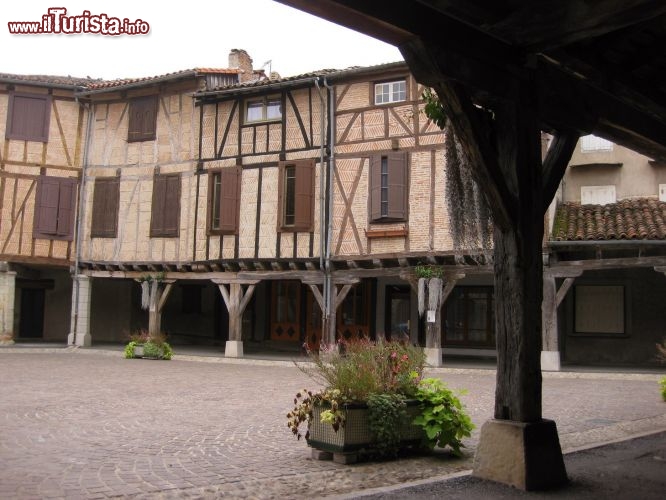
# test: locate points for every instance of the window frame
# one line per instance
(58, 225)
(12, 114)
(391, 81)
(264, 101)
(109, 189)
(397, 166)
(160, 227)
(304, 195)
(626, 311)
(137, 130)
(229, 221)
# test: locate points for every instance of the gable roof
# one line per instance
(630, 219)
(66, 82)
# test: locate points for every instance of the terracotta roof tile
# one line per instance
(631, 219)
(121, 82)
(61, 81)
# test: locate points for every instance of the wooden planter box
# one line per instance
(355, 435)
(140, 352)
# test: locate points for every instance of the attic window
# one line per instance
(388, 92)
(263, 110)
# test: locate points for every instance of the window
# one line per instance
(224, 200)
(591, 143)
(55, 207)
(597, 195)
(599, 309)
(296, 193)
(142, 119)
(28, 117)
(105, 208)
(390, 92)
(388, 187)
(166, 206)
(266, 109)
(468, 317)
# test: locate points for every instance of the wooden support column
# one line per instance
(552, 298)
(236, 301)
(157, 302)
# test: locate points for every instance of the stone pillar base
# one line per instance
(550, 361)
(82, 339)
(233, 349)
(433, 356)
(524, 455)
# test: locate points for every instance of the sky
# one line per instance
(198, 34)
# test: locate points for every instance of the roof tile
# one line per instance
(637, 218)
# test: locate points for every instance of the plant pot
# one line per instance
(355, 435)
(138, 351)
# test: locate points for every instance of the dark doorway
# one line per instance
(32, 313)
(398, 312)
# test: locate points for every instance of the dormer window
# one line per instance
(263, 110)
(387, 92)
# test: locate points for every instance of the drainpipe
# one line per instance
(322, 194)
(81, 212)
(329, 187)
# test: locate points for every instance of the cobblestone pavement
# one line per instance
(90, 424)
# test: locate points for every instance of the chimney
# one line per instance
(240, 59)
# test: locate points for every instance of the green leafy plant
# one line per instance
(442, 416)
(662, 383)
(386, 416)
(433, 108)
(154, 346)
(304, 403)
(428, 271)
(661, 356)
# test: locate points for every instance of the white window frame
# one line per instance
(389, 92)
(267, 107)
(592, 144)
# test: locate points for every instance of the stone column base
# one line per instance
(233, 349)
(82, 339)
(550, 361)
(524, 455)
(433, 356)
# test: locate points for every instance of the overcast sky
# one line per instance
(200, 33)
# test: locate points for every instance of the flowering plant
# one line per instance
(154, 345)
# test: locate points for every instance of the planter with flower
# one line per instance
(148, 346)
(376, 403)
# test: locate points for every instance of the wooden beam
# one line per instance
(246, 298)
(562, 292)
(341, 295)
(317, 295)
(164, 296)
(555, 164)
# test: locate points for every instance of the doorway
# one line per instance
(398, 312)
(31, 324)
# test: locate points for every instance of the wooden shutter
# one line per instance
(158, 206)
(46, 207)
(230, 199)
(375, 187)
(172, 206)
(397, 186)
(105, 208)
(28, 117)
(142, 119)
(66, 209)
(304, 194)
(55, 208)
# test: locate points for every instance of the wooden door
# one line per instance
(286, 311)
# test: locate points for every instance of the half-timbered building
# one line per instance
(43, 130)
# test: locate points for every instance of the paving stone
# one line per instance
(89, 424)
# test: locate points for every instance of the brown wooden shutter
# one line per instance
(375, 187)
(46, 207)
(172, 206)
(397, 185)
(67, 208)
(159, 197)
(230, 199)
(105, 208)
(28, 117)
(304, 194)
(142, 120)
